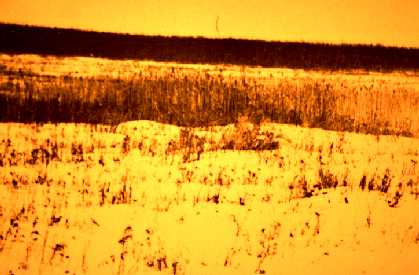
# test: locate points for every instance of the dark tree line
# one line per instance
(70, 42)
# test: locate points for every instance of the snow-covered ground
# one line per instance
(92, 199)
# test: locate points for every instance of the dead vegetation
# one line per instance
(210, 97)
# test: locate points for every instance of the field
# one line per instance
(130, 189)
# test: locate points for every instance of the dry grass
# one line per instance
(374, 104)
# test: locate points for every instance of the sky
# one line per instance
(386, 22)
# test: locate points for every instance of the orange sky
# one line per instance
(387, 22)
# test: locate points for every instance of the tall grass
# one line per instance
(196, 98)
